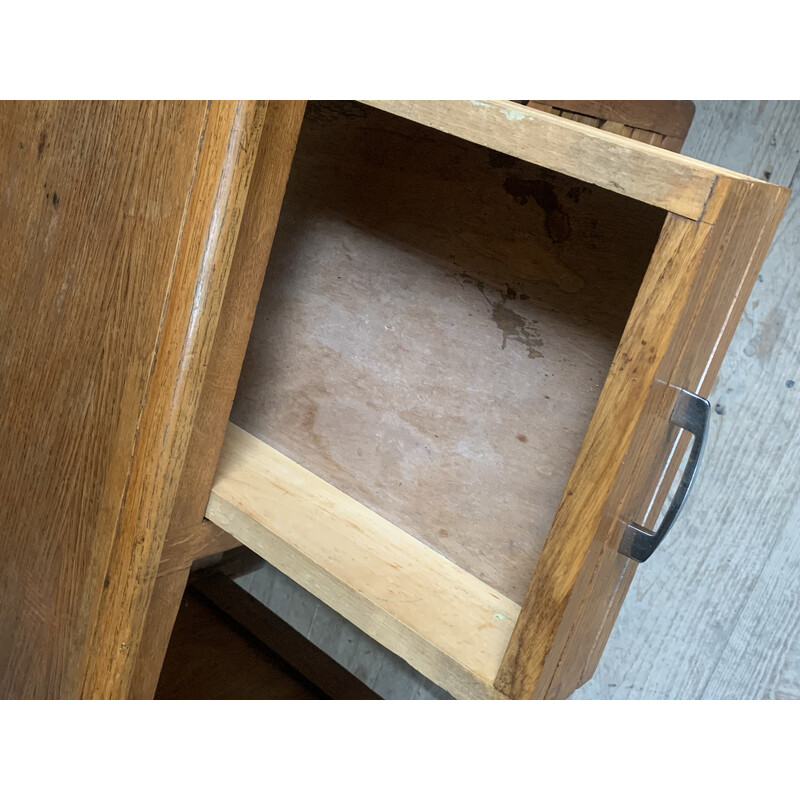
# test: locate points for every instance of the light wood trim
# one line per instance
(446, 623)
(680, 326)
(652, 175)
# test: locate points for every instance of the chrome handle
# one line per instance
(690, 412)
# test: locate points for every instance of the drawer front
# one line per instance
(686, 312)
(115, 218)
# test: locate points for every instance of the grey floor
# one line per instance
(716, 613)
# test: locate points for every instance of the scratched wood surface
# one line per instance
(715, 614)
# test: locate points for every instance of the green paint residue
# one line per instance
(511, 115)
(500, 616)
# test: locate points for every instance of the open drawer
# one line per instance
(458, 415)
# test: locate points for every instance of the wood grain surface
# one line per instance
(669, 118)
(117, 221)
(766, 133)
(716, 309)
(678, 333)
(259, 220)
(203, 258)
(130, 249)
(187, 537)
(92, 205)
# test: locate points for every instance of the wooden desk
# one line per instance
(135, 238)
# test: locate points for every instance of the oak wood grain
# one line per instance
(711, 616)
(188, 537)
(92, 207)
(259, 220)
(715, 308)
(190, 314)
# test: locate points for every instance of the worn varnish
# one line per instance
(435, 326)
(187, 537)
(117, 222)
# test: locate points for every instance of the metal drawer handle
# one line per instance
(690, 412)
